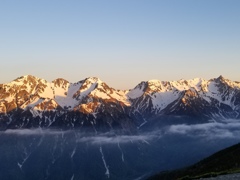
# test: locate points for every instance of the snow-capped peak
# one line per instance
(93, 80)
(30, 92)
(221, 77)
(28, 78)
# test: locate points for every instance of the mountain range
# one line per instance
(31, 102)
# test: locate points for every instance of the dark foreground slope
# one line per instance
(226, 161)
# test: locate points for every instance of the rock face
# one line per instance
(29, 102)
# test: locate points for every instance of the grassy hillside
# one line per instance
(226, 161)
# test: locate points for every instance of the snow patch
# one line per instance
(107, 173)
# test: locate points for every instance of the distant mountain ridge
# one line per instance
(29, 101)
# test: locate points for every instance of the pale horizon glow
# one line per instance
(120, 42)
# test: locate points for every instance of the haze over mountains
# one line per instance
(29, 102)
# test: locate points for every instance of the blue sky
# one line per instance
(123, 42)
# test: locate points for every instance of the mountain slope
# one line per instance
(216, 98)
(226, 161)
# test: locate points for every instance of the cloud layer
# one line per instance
(225, 129)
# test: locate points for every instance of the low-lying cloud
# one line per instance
(38, 131)
(224, 129)
(116, 139)
(81, 137)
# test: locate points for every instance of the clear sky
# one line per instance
(123, 42)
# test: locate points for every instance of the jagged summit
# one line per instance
(60, 80)
(153, 82)
(94, 80)
(28, 78)
(221, 77)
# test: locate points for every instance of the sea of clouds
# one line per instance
(224, 129)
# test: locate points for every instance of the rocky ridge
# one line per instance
(29, 102)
